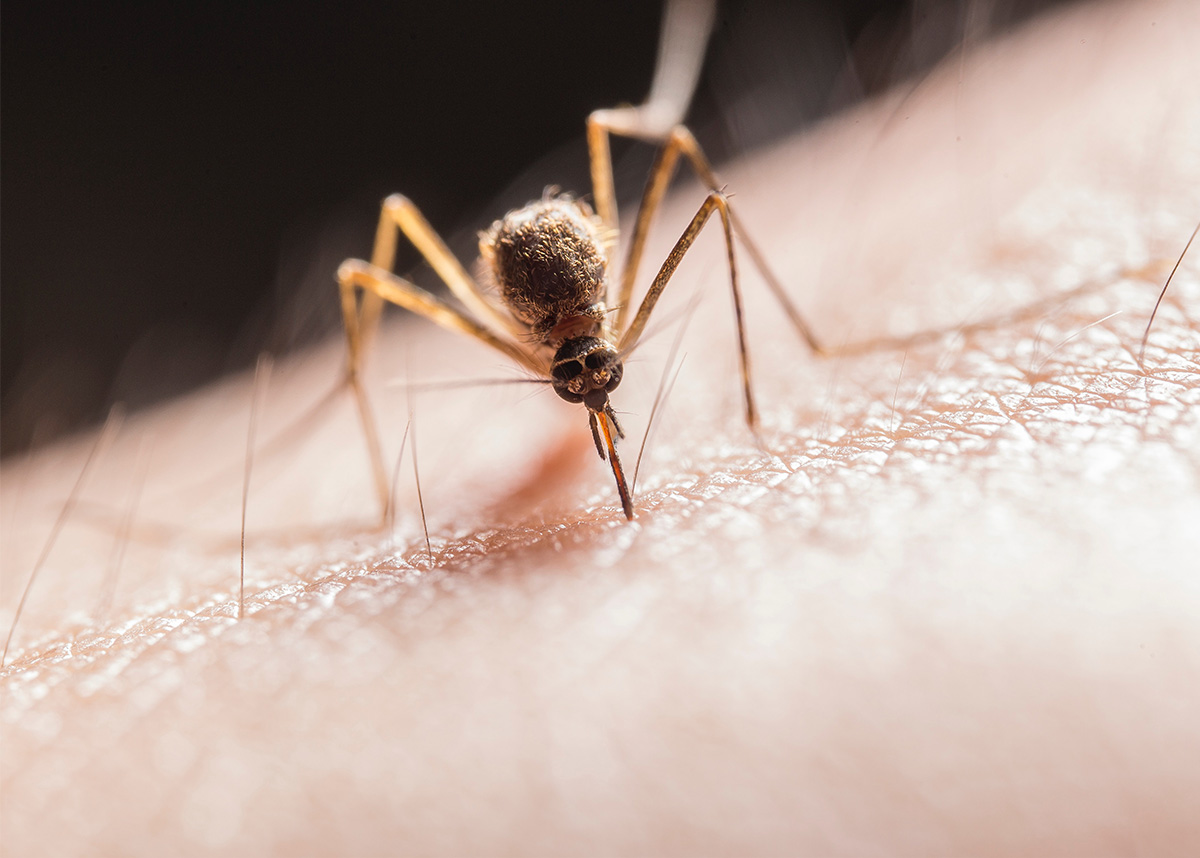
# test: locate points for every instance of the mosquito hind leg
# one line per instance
(683, 39)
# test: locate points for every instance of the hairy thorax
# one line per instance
(549, 261)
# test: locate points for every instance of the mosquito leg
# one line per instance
(600, 157)
(628, 123)
(683, 39)
(361, 315)
(354, 344)
(400, 215)
(355, 276)
(695, 156)
(677, 141)
(714, 202)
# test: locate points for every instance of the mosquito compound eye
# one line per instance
(596, 359)
(567, 370)
(615, 371)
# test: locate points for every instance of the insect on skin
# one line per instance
(566, 314)
(552, 262)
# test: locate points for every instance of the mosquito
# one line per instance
(551, 262)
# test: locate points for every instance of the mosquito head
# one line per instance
(586, 369)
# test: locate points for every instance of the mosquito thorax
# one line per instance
(586, 369)
(549, 261)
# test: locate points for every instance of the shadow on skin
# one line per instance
(948, 610)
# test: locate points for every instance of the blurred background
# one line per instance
(180, 180)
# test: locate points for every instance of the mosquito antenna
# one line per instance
(392, 502)
(116, 416)
(262, 373)
(1146, 335)
(420, 498)
(109, 588)
(458, 384)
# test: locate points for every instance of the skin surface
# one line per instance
(949, 606)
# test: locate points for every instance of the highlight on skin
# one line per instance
(946, 607)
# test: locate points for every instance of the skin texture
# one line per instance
(948, 606)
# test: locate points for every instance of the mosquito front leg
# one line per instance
(714, 202)
(377, 284)
(355, 277)
(400, 215)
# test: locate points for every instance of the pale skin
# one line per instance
(951, 609)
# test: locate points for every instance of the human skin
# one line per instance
(947, 604)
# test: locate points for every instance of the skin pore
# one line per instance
(949, 606)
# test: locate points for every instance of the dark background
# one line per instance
(181, 179)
